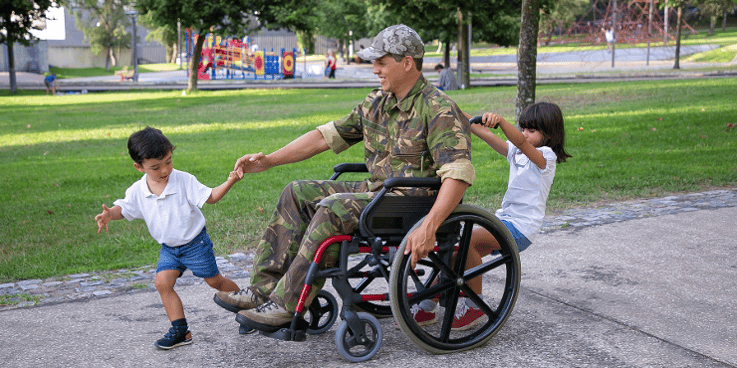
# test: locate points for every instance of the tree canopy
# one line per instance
(17, 19)
(103, 23)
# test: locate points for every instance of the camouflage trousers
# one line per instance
(308, 212)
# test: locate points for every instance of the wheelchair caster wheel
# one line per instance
(322, 313)
(243, 330)
(359, 346)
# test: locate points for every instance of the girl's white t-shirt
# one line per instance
(527, 192)
(174, 218)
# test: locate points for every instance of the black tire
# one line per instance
(322, 313)
(499, 295)
(353, 350)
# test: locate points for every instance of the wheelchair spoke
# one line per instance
(445, 330)
(463, 245)
(486, 267)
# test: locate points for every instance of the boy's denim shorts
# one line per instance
(522, 241)
(196, 255)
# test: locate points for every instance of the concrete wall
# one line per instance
(33, 59)
(82, 57)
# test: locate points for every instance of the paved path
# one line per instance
(652, 286)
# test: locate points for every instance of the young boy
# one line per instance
(169, 201)
(50, 82)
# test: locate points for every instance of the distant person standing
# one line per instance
(332, 64)
(609, 34)
(447, 80)
(51, 84)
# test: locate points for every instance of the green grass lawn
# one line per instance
(62, 157)
(65, 73)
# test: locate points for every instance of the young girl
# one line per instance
(533, 154)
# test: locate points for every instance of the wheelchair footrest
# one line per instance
(286, 334)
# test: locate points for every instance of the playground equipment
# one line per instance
(231, 58)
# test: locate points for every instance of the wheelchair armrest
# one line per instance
(348, 167)
(433, 183)
(392, 214)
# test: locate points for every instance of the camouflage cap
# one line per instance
(397, 39)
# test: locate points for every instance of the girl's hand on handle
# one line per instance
(492, 120)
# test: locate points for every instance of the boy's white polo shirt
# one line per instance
(174, 218)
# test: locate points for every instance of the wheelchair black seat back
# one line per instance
(362, 281)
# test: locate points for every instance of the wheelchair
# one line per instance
(374, 254)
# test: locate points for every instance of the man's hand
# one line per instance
(251, 163)
(420, 243)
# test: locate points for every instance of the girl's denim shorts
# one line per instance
(522, 241)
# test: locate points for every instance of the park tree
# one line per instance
(103, 23)
(492, 21)
(562, 15)
(527, 55)
(166, 35)
(343, 20)
(17, 19)
(713, 9)
(226, 17)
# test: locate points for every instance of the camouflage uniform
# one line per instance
(424, 135)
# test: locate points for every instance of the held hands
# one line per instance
(251, 163)
(233, 177)
(103, 218)
(492, 120)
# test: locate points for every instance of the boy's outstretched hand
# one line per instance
(103, 218)
(234, 177)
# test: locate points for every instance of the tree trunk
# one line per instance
(174, 52)
(11, 66)
(527, 55)
(677, 65)
(446, 53)
(195, 61)
(712, 24)
(464, 64)
(107, 59)
(113, 59)
(724, 21)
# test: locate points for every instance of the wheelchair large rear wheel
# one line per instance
(444, 278)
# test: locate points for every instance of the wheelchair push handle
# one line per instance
(478, 120)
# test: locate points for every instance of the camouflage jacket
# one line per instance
(423, 135)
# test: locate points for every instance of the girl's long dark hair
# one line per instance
(546, 118)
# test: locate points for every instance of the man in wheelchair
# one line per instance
(408, 129)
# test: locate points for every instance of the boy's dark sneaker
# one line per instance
(175, 337)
